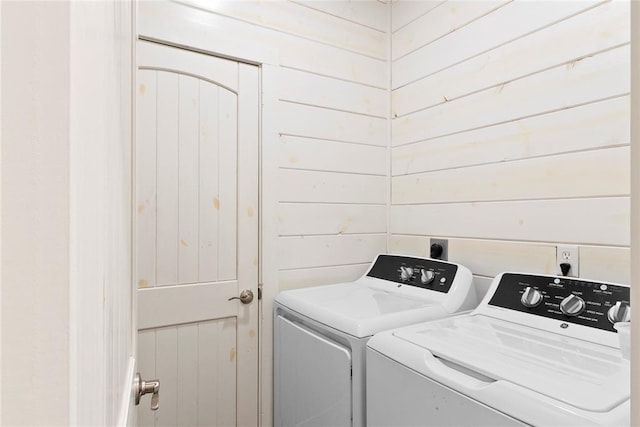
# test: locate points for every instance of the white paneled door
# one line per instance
(197, 236)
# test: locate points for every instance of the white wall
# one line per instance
(101, 40)
(35, 208)
(635, 202)
(510, 133)
(66, 285)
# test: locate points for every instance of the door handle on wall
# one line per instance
(245, 297)
(142, 387)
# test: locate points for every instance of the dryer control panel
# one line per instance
(568, 299)
(424, 273)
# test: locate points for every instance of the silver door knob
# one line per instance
(142, 387)
(245, 297)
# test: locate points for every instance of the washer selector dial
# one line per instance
(427, 276)
(621, 312)
(572, 305)
(406, 273)
(531, 297)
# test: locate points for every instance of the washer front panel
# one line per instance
(599, 297)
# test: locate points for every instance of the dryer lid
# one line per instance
(360, 308)
(582, 374)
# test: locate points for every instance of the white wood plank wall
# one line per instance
(510, 133)
(332, 125)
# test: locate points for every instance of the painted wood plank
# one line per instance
(309, 186)
(268, 231)
(590, 79)
(227, 368)
(247, 349)
(218, 70)
(325, 251)
(611, 264)
(307, 219)
(404, 12)
(208, 383)
(167, 179)
(442, 20)
(331, 156)
(409, 245)
(367, 13)
(208, 185)
(312, 89)
(172, 305)
(322, 123)
(588, 221)
(596, 125)
(188, 180)
(145, 179)
(147, 367)
(491, 257)
(167, 372)
(188, 375)
(210, 32)
(595, 173)
(297, 20)
(227, 176)
(303, 278)
(507, 23)
(599, 29)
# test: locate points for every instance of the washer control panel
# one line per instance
(569, 299)
(424, 273)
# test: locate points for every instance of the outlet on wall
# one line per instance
(568, 255)
(444, 244)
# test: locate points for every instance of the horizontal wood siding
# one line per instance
(510, 134)
(332, 120)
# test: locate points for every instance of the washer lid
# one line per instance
(361, 308)
(579, 373)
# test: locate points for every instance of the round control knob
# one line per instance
(621, 312)
(406, 273)
(427, 276)
(572, 305)
(531, 297)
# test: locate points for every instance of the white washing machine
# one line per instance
(538, 350)
(320, 333)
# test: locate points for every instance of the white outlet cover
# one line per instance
(568, 254)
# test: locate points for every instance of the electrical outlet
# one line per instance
(568, 255)
(444, 243)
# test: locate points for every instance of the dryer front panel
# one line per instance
(313, 378)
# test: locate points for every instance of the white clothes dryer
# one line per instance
(320, 333)
(538, 350)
